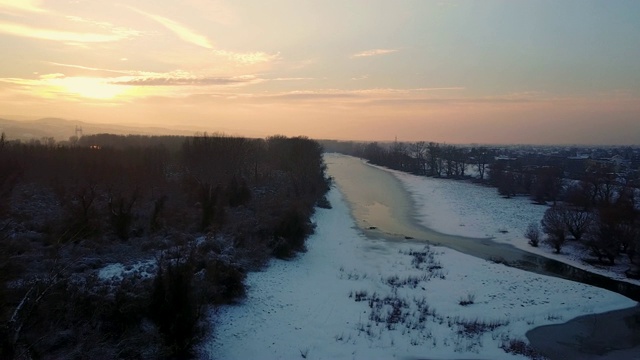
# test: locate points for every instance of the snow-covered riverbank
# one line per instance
(352, 297)
(466, 209)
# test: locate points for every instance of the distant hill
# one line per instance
(62, 129)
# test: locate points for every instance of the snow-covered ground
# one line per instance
(467, 209)
(352, 297)
(117, 271)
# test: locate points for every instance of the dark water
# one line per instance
(612, 335)
(383, 208)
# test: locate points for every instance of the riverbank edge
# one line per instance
(593, 336)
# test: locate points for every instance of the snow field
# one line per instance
(409, 302)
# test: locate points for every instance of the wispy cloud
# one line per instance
(358, 94)
(178, 29)
(107, 26)
(326, 94)
(373, 52)
(291, 79)
(21, 5)
(172, 78)
(58, 35)
(441, 88)
(72, 66)
(188, 81)
(361, 77)
(249, 58)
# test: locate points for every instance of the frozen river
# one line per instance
(383, 208)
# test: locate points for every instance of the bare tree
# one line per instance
(461, 156)
(577, 222)
(418, 152)
(375, 153)
(580, 195)
(434, 159)
(120, 205)
(629, 234)
(481, 158)
(547, 184)
(553, 224)
(602, 185)
(399, 156)
(449, 157)
(602, 239)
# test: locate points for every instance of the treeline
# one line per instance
(204, 210)
(421, 158)
(599, 208)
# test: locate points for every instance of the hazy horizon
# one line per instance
(496, 72)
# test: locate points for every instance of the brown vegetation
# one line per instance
(207, 208)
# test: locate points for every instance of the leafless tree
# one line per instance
(399, 156)
(434, 159)
(449, 157)
(602, 238)
(546, 184)
(553, 224)
(481, 159)
(461, 156)
(577, 222)
(418, 152)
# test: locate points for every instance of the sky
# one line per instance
(491, 71)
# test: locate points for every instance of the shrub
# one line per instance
(468, 300)
(174, 307)
(474, 327)
(290, 233)
(225, 282)
(520, 347)
(533, 234)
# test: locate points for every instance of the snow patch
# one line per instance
(118, 271)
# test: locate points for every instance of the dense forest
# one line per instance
(198, 212)
(591, 201)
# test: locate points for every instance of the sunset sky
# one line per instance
(490, 71)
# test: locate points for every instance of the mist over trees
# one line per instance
(198, 211)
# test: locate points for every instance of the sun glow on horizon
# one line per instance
(88, 87)
(449, 71)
